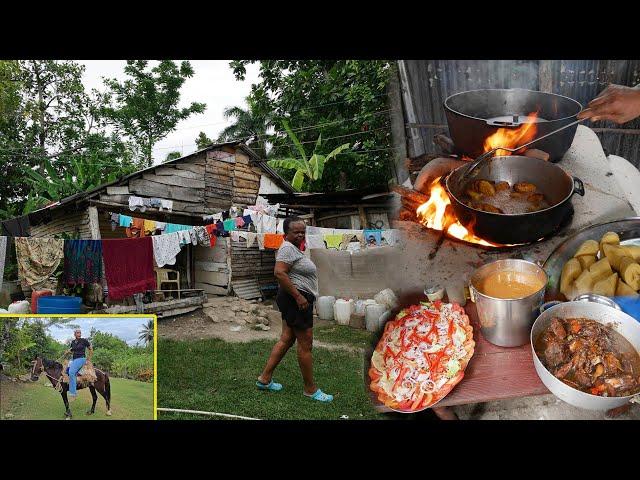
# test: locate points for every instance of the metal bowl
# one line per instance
(624, 324)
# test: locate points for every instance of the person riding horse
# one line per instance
(78, 349)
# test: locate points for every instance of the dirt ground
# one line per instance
(233, 320)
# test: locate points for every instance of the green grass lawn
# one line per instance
(341, 334)
(216, 376)
(130, 400)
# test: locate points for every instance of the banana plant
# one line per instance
(311, 168)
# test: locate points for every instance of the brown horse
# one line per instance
(53, 371)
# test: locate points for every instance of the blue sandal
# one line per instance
(273, 386)
(320, 396)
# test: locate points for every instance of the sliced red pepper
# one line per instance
(399, 379)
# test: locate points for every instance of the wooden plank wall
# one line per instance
(75, 224)
(230, 180)
(212, 268)
(252, 262)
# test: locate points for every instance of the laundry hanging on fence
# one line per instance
(166, 204)
(128, 265)
(149, 226)
(348, 238)
(239, 222)
(247, 220)
(315, 241)
(125, 221)
(280, 227)
(390, 237)
(16, 227)
(373, 237)
(333, 240)
(249, 237)
(229, 224)
(260, 238)
(176, 227)
(82, 262)
(38, 258)
(166, 248)
(273, 240)
(3, 253)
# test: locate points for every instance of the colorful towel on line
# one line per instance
(128, 265)
(82, 261)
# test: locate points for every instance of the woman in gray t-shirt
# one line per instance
(298, 282)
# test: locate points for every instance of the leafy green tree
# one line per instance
(172, 156)
(344, 100)
(103, 359)
(145, 105)
(106, 341)
(146, 333)
(203, 141)
(312, 168)
(249, 122)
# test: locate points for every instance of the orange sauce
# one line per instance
(510, 284)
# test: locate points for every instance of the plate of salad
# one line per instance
(421, 356)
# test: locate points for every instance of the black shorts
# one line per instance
(295, 318)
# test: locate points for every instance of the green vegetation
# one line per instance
(343, 335)
(130, 400)
(215, 376)
(21, 340)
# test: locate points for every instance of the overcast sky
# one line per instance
(212, 84)
(124, 328)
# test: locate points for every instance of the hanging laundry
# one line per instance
(149, 226)
(176, 227)
(3, 253)
(320, 230)
(202, 235)
(390, 237)
(161, 226)
(128, 266)
(248, 211)
(38, 258)
(114, 218)
(233, 212)
(239, 222)
(17, 227)
(315, 241)
(373, 237)
(137, 228)
(280, 227)
(125, 221)
(219, 228)
(348, 238)
(273, 240)
(211, 230)
(249, 237)
(333, 240)
(82, 262)
(229, 224)
(268, 224)
(166, 248)
(247, 220)
(260, 238)
(353, 247)
(194, 237)
(184, 236)
(166, 204)
(225, 215)
(155, 203)
(136, 203)
(235, 236)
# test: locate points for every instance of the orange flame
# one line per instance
(512, 137)
(435, 214)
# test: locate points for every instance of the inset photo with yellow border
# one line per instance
(80, 367)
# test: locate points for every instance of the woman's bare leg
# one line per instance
(305, 358)
(279, 350)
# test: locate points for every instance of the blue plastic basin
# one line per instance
(59, 304)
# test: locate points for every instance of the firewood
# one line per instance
(535, 153)
(410, 194)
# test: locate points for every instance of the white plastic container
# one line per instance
(387, 297)
(361, 306)
(23, 306)
(342, 311)
(325, 308)
(372, 316)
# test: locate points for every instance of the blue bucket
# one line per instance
(59, 304)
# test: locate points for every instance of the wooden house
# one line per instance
(203, 183)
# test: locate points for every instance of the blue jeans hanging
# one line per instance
(74, 367)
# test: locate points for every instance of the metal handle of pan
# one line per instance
(578, 186)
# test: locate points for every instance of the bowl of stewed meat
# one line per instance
(587, 354)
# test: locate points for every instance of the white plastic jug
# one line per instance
(325, 308)
(388, 298)
(372, 316)
(342, 311)
(22, 306)
(361, 305)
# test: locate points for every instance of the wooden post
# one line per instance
(313, 218)
(545, 75)
(94, 224)
(363, 218)
(398, 133)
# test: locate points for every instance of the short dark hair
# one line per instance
(288, 221)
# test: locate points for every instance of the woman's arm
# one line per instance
(281, 272)
(616, 103)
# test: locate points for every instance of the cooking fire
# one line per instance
(437, 213)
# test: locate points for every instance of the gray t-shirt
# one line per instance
(303, 272)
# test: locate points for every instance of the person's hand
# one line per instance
(302, 302)
(616, 103)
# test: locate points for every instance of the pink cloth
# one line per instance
(128, 266)
(239, 222)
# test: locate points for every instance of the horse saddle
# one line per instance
(86, 374)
